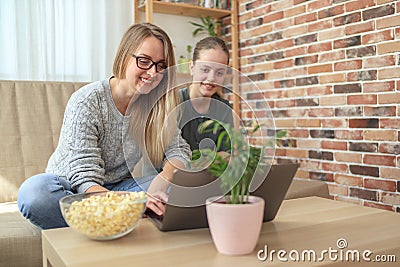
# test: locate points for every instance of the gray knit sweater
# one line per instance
(90, 149)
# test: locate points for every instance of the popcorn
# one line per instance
(102, 216)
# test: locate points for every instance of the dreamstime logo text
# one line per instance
(332, 254)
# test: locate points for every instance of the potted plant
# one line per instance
(235, 219)
(207, 26)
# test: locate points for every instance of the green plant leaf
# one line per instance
(220, 139)
(196, 32)
(207, 25)
(243, 161)
(280, 134)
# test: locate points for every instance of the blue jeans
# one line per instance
(38, 197)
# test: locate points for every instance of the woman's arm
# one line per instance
(178, 155)
(96, 188)
(169, 167)
(80, 136)
(157, 196)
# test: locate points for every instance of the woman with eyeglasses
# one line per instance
(202, 100)
(109, 126)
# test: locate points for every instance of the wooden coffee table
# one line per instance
(302, 227)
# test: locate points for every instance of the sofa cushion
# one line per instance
(20, 241)
(30, 118)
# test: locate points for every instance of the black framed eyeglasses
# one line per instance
(146, 63)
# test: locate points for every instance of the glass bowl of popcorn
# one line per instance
(103, 215)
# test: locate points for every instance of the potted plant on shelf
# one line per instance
(234, 219)
(207, 26)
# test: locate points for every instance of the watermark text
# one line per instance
(340, 253)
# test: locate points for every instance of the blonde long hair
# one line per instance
(151, 112)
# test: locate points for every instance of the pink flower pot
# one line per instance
(235, 228)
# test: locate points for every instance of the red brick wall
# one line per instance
(331, 72)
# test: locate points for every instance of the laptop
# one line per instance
(186, 208)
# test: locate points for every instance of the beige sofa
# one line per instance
(30, 117)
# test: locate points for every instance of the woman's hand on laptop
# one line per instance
(157, 195)
(157, 192)
(156, 203)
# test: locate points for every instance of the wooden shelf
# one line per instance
(189, 10)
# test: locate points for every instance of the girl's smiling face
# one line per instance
(209, 71)
(140, 80)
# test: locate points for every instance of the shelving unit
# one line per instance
(182, 9)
